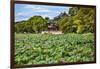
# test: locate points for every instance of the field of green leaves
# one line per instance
(53, 49)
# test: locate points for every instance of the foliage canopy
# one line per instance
(78, 20)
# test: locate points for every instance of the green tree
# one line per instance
(34, 25)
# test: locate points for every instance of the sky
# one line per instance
(25, 11)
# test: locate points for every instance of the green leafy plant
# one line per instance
(50, 49)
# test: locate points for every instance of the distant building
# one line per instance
(52, 27)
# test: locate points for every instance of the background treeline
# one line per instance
(78, 20)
